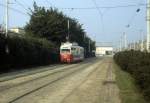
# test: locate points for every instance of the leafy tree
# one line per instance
(52, 25)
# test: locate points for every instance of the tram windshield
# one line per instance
(65, 50)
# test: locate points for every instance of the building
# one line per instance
(17, 30)
(104, 48)
(102, 51)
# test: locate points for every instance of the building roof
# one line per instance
(104, 44)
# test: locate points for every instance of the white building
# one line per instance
(104, 50)
(17, 30)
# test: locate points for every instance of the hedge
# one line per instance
(26, 51)
(138, 65)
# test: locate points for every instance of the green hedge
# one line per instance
(26, 51)
(138, 64)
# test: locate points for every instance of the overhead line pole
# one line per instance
(120, 45)
(6, 25)
(125, 40)
(148, 26)
(142, 44)
(89, 46)
(68, 24)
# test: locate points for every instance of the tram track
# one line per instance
(68, 70)
(34, 72)
(60, 69)
(87, 77)
(79, 69)
(29, 72)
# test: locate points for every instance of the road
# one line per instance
(90, 81)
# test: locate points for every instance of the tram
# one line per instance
(71, 52)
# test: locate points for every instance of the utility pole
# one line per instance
(120, 45)
(68, 35)
(142, 44)
(89, 46)
(130, 46)
(7, 3)
(125, 40)
(6, 25)
(148, 26)
(134, 45)
(84, 36)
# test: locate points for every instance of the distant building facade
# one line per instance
(17, 30)
(101, 51)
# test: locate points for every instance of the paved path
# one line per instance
(91, 81)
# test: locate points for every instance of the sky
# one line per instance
(101, 24)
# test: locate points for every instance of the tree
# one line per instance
(52, 25)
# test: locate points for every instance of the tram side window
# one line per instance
(65, 50)
(78, 51)
(82, 51)
(73, 50)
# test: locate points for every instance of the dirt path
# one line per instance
(100, 87)
(87, 82)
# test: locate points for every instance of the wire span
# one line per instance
(106, 7)
(16, 10)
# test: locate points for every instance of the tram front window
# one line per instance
(65, 50)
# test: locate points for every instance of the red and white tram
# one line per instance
(71, 52)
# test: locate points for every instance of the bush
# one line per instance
(26, 51)
(138, 64)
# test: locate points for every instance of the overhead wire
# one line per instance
(23, 6)
(16, 10)
(97, 8)
(134, 14)
(105, 7)
(49, 2)
(20, 4)
(75, 8)
(100, 13)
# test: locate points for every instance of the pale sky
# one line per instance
(103, 25)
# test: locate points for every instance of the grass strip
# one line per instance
(129, 92)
